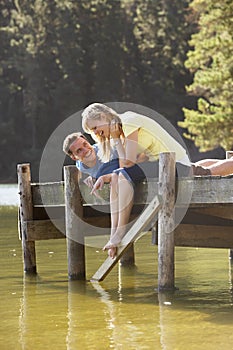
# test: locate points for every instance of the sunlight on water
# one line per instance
(123, 312)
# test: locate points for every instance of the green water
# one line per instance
(123, 312)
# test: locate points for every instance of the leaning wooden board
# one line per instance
(131, 236)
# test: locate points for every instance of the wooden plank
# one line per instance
(201, 217)
(220, 211)
(131, 236)
(206, 190)
(204, 236)
(36, 230)
(50, 193)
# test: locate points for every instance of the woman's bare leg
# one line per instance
(114, 203)
(222, 167)
(206, 162)
(125, 203)
(216, 166)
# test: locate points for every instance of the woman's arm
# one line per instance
(128, 152)
(131, 149)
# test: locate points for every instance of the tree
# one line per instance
(59, 56)
(211, 61)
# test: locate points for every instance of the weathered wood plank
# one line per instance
(37, 230)
(50, 193)
(205, 236)
(221, 211)
(206, 190)
(131, 236)
(200, 217)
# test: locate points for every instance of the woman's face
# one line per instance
(100, 127)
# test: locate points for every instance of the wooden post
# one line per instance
(166, 222)
(128, 258)
(26, 213)
(229, 154)
(74, 224)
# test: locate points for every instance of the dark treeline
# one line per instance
(59, 56)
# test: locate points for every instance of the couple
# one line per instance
(136, 142)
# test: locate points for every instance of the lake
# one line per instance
(9, 194)
(125, 311)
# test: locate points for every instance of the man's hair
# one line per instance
(69, 140)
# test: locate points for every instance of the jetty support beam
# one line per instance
(25, 214)
(166, 220)
(74, 224)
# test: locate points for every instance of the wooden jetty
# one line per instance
(59, 210)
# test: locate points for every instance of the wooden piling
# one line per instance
(128, 258)
(26, 213)
(74, 224)
(229, 154)
(166, 222)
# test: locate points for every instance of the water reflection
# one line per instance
(126, 312)
(76, 316)
(24, 311)
(167, 332)
(231, 280)
(42, 320)
(110, 313)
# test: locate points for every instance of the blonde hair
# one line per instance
(98, 111)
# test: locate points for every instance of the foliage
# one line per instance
(58, 56)
(211, 124)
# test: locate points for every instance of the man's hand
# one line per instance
(89, 182)
(98, 185)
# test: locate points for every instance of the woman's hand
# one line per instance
(115, 130)
(142, 157)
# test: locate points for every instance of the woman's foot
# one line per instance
(112, 250)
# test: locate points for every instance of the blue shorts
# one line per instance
(142, 171)
(108, 167)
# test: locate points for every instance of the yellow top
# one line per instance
(152, 138)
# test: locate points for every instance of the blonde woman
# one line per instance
(138, 141)
(132, 135)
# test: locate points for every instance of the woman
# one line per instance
(131, 134)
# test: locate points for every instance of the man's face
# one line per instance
(83, 151)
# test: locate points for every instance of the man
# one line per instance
(77, 147)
